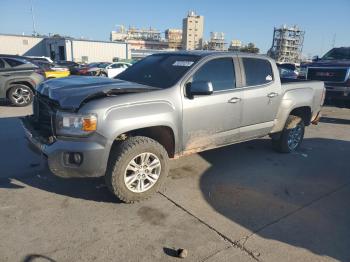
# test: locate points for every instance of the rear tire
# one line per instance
(20, 95)
(136, 169)
(291, 137)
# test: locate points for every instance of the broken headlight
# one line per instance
(70, 124)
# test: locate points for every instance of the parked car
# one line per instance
(334, 69)
(92, 69)
(56, 72)
(115, 69)
(18, 79)
(72, 66)
(107, 69)
(52, 70)
(98, 69)
(165, 106)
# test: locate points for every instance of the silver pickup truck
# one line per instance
(165, 106)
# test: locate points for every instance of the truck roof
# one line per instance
(204, 53)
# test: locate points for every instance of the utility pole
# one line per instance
(33, 18)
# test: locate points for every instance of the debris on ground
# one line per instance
(182, 253)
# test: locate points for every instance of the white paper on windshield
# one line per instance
(183, 63)
(66, 122)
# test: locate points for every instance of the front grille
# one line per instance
(44, 111)
(327, 74)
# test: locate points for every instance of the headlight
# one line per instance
(75, 124)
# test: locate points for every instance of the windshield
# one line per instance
(338, 54)
(160, 70)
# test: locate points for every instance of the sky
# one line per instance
(325, 22)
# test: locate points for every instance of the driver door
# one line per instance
(213, 120)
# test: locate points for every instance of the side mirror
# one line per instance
(199, 88)
(315, 58)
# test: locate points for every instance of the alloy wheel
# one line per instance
(21, 96)
(142, 172)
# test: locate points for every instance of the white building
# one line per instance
(64, 48)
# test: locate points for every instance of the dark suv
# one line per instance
(18, 79)
(334, 69)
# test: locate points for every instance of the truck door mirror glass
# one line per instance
(199, 88)
(315, 58)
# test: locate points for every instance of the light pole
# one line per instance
(33, 18)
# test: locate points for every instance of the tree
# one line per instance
(250, 48)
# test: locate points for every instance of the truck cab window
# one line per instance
(257, 71)
(220, 72)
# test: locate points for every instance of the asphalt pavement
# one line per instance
(243, 202)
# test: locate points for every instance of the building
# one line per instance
(139, 38)
(147, 44)
(64, 48)
(216, 42)
(235, 45)
(137, 54)
(287, 44)
(192, 31)
(174, 38)
(134, 33)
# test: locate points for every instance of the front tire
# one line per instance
(20, 95)
(292, 135)
(136, 169)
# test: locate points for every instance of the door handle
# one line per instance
(234, 100)
(272, 95)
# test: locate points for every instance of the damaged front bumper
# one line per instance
(69, 157)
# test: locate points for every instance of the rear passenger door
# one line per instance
(261, 97)
(213, 120)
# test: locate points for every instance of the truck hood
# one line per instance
(71, 92)
(329, 63)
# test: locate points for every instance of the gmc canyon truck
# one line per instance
(165, 106)
(334, 69)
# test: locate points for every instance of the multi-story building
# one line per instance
(287, 44)
(192, 31)
(235, 45)
(139, 38)
(217, 41)
(174, 38)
